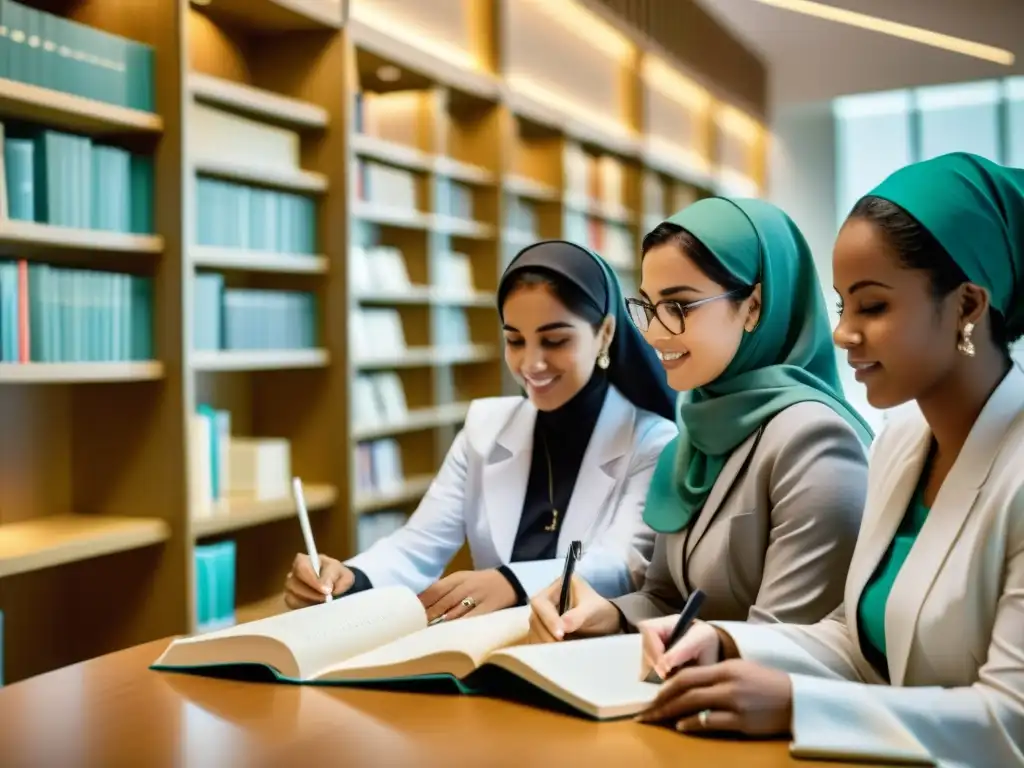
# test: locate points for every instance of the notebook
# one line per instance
(382, 635)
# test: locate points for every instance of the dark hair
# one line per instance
(918, 249)
(567, 292)
(706, 261)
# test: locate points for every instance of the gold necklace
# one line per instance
(553, 525)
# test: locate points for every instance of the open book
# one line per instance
(382, 635)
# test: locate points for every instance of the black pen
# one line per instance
(575, 553)
(686, 617)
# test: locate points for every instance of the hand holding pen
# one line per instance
(660, 637)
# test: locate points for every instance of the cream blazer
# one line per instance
(954, 621)
(774, 539)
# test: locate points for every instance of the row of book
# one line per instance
(378, 399)
(663, 197)
(612, 240)
(66, 180)
(232, 215)
(378, 332)
(386, 186)
(251, 318)
(215, 585)
(375, 526)
(59, 315)
(383, 268)
(50, 51)
(454, 199)
(379, 466)
(521, 216)
(598, 178)
(226, 466)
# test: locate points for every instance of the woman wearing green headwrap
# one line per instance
(927, 659)
(757, 503)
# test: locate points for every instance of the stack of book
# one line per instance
(234, 215)
(215, 585)
(57, 315)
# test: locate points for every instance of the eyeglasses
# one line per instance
(670, 313)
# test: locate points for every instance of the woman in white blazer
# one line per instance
(527, 476)
(926, 659)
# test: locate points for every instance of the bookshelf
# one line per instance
(330, 201)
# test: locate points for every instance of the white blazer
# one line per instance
(954, 621)
(479, 491)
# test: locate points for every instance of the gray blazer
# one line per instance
(774, 543)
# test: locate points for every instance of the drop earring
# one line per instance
(603, 361)
(965, 346)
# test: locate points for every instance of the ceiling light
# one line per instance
(905, 31)
(388, 73)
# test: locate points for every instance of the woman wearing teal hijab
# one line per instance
(758, 501)
(926, 661)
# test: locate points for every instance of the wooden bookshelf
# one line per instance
(98, 458)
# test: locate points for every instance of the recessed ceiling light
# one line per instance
(389, 73)
(886, 27)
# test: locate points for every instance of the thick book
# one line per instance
(381, 636)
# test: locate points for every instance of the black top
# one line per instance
(567, 432)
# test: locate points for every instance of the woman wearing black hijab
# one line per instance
(527, 475)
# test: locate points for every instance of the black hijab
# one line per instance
(634, 368)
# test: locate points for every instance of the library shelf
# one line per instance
(460, 171)
(49, 541)
(391, 152)
(392, 216)
(258, 359)
(277, 15)
(237, 513)
(32, 103)
(411, 489)
(425, 294)
(407, 54)
(256, 102)
(524, 186)
(597, 209)
(79, 373)
(416, 419)
(25, 238)
(292, 179)
(241, 259)
(419, 357)
(459, 227)
(260, 609)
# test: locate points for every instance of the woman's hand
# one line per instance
(589, 615)
(736, 695)
(467, 593)
(302, 588)
(700, 645)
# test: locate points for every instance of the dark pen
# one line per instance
(575, 553)
(686, 617)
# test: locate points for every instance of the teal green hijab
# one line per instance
(787, 359)
(975, 209)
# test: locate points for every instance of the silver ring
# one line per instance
(468, 602)
(702, 718)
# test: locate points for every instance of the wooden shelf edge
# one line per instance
(411, 489)
(258, 359)
(31, 102)
(395, 217)
(79, 373)
(421, 294)
(256, 102)
(256, 261)
(391, 152)
(31, 234)
(423, 357)
(416, 419)
(296, 180)
(279, 15)
(61, 539)
(239, 513)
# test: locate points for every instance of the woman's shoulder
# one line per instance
(809, 437)
(808, 420)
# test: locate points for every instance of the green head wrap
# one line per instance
(788, 358)
(975, 209)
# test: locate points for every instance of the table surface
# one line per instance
(113, 711)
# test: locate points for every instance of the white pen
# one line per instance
(307, 532)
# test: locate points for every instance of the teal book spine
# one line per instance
(226, 556)
(19, 165)
(204, 582)
(141, 194)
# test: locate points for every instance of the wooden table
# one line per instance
(112, 712)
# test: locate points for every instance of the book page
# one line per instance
(301, 643)
(599, 676)
(455, 647)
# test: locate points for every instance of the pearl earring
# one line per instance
(966, 346)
